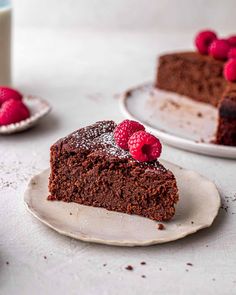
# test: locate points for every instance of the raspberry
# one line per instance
(144, 146)
(124, 130)
(230, 70)
(219, 49)
(13, 111)
(232, 53)
(8, 93)
(203, 40)
(232, 41)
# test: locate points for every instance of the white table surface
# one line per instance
(79, 72)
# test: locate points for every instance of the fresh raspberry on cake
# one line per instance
(203, 40)
(144, 146)
(232, 41)
(219, 49)
(232, 53)
(124, 130)
(230, 70)
(13, 111)
(7, 93)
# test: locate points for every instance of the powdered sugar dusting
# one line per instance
(111, 147)
(99, 136)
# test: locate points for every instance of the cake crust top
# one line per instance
(194, 56)
(99, 138)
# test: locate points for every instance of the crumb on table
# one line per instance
(161, 226)
(129, 267)
(199, 114)
(143, 263)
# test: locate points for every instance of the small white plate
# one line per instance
(38, 109)
(197, 208)
(175, 119)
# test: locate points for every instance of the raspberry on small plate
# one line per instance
(7, 93)
(19, 112)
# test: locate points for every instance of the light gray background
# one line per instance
(155, 15)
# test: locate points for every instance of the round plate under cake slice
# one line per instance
(175, 119)
(198, 206)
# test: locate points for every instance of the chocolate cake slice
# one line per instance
(200, 77)
(192, 74)
(87, 167)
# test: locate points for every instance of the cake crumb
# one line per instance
(199, 114)
(192, 222)
(189, 264)
(70, 213)
(45, 257)
(104, 264)
(143, 263)
(225, 208)
(7, 262)
(143, 276)
(129, 267)
(161, 226)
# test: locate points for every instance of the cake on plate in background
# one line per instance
(208, 75)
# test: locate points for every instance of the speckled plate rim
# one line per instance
(125, 242)
(41, 112)
(174, 140)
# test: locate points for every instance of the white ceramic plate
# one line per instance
(198, 206)
(175, 119)
(38, 109)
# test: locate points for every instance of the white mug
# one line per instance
(5, 42)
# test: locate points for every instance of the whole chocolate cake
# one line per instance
(87, 167)
(201, 77)
(192, 74)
